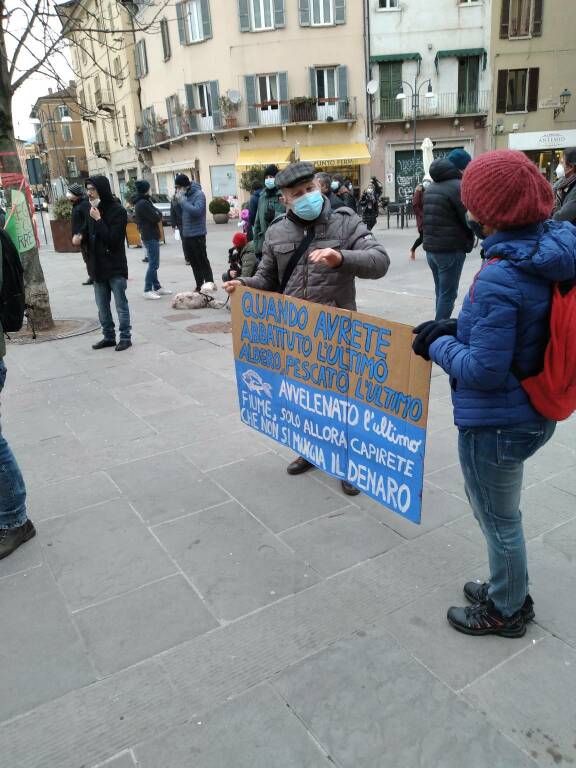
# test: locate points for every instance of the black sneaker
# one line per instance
(104, 343)
(349, 489)
(88, 282)
(123, 344)
(477, 592)
(484, 619)
(12, 538)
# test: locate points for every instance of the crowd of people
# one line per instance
(497, 342)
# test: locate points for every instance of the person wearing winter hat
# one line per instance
(269, 207)
(447, 237)
(499, 338)
(80, 211)
(241, 258)
(192, 202)
(148, 219)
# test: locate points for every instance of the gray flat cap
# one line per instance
(295, 174)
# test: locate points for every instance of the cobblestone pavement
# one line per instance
(187, 604)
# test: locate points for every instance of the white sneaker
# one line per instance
(151, 295)
(209, 288)
(163, 292)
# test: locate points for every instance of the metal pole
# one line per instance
(415, 105)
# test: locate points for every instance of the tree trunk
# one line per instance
(36, 290)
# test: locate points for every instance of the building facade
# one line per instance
(232, 85)
(533, 52)
(59, 137)
(107, 87)
(441, 50)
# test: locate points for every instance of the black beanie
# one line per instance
(271, 170)
(182, 180)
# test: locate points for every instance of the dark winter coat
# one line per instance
(347, 199)
(147, 218)
(335, 201)
(565, 192)
(176, 214)
(107, 237)
(445, 227)
(418, 207)
(269, 207)
(363, 256)
(80, 212)
(369, 207)
(253, 206)
(193, 205)
(504, 322)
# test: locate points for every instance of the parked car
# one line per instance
(162, 203)
(40, 203)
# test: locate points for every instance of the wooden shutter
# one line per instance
(313, 82)
(283, 96)
(279, 14)
(342, 79)
(144, 57)
(206, 20)
(192, 119)
(170, 116)
(250, 84)
(244, 13)
(165, 39)
(215, 99)
(137, 61)
(537, 18)
(533, 79)
(501, 91)
(505, 20)
(339, 11)
(180, 16)
(304, 12)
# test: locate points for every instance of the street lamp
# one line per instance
(415, 92)
(565, 97)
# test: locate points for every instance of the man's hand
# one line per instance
(76, 239)
(95, 214)
(230, 286)
(327, 256)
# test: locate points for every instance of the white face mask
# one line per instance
(560, 172)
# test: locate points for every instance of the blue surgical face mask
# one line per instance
(270, 182)
(309, 206)
(476, 227)
(335, 185)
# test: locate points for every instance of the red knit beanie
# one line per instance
(239, 240)
(504, 190)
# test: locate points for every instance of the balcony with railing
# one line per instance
(101, 149)
(104, 100)
(246, 116)
(440, 105)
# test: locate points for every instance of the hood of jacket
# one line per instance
(547, 250)
(137, 198)
(193, 188)
(102, 186)
(443, 170)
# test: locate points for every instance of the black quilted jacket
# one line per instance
(445, 227)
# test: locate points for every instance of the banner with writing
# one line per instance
(342, 389)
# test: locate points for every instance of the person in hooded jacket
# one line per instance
(269, 207)
(255, 193)
(193, 205)
(148, 219)
(79, 221)
(447, 237)
(501, 333)
(107, 264)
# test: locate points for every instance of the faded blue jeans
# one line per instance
(492, 461)
(446, 270)
(103, 291)
(12, 488)
(153, 251)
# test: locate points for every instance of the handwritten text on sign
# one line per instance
(339, 388)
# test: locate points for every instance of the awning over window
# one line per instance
(336, 154)
(462, 53)
(255, 158)
(396, 57)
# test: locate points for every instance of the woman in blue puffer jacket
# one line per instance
(502, 330)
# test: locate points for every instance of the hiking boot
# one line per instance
(299, 466)
(477, 592)
(123, 344)
(484, 619)
(104, 343)
(12, 538)
(349, 489)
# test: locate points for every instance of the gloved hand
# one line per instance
(428, 332)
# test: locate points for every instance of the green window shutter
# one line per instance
(304, 12)
(250, 84)
(342, 77)
(181, 23)
(501, 90)
(192, 120)
(533, 78)
(283, 96)
(206, 20)
(215, 98)
(170, 115)
(340, 11)
(244, 11)
(279, 14)
(313, 82)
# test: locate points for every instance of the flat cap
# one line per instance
(295, 174)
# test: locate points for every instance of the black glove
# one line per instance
(428, 332)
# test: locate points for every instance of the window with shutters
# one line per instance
(261, 15)
(125, 122)
(327, 93)
(521, 18)
(390, 83)
(141, 59)
(269, 103)
(388, 5)
(468, 82)
(204, 112)
(166, 49)
(517, 90)
(322, 12)
(66, 132)
(118, 70)
(174, 115)
(72, 164)
(193, 21)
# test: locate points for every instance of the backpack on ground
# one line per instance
(12, 301)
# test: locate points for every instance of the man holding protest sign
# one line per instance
(315, 253)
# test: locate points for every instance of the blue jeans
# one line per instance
(103, 291)
(153, 250)
(492, 461)
(446, 270)
(12, 488)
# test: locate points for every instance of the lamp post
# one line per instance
(415, 93)
(51, 124)
(565, 97)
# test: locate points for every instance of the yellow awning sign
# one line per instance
(260, 158)
(336, 154)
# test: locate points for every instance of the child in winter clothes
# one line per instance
(502, 330)
(241, 258)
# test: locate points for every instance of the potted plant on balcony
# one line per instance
(220, 209)
(61, 226)
(161, 129)
(303, 109)
(229, 110)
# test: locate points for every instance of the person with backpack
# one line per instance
(15, 527)
(507, 387)
(269, 207)
(80, 210)
(296, 263)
